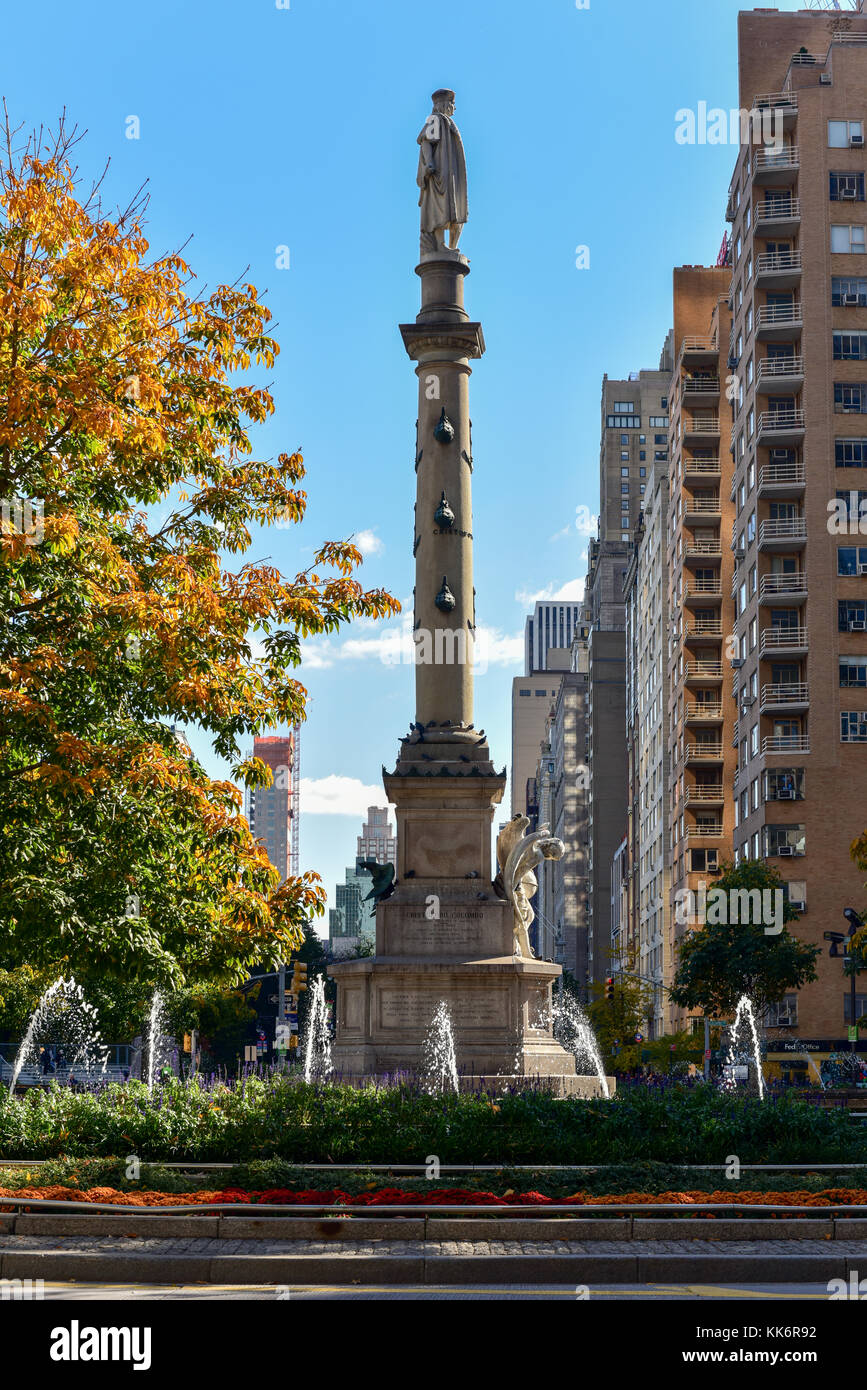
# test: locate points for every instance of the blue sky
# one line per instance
(263, 127)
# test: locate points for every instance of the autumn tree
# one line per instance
(130, 487)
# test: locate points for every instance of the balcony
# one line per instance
(776, 374)
(736, 733)
(776, 322)
(706, 794)
(778, 270)
(789, 588)
(780, 428)
(702, 633)
(697, 428)
(700, 470)
(703, 713)
(696, 390)
(698, 351)
(783, 641)
(786, 533)
(698, 589)
(701, 509)
(703, 549)
(793, 695)
(782, 479)
(704, 832)
(785, 743)
(782, 105)
(703, 673)
(703, 753)
(780, 216)
(776, 168)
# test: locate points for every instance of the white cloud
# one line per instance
(560, 535)
(369, 543)
(572, 591)
(338, 796)
(497, 648)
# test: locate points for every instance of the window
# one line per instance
(624, 472)
(853, 726)
(783, 1014)
(660, 439)
(784, 784)
(623, 422)
(660, 456)
(842, 133)
(642, 472)
(852, 615)
(624, 454)
(852, 559)
(544, 692)
(850, 453)
(659, 421)
(850, 398)
(847, 240)
(848, 290)
(754, 740)
(624, 487)
(623, 407)
(847, 188)
(790, 839)
(642, 454)
(850, 347)
(853, 671)
(751, 527)
(860, 1006)
(855, 506)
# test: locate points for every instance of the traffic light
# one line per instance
(299, 977)
(609, 988)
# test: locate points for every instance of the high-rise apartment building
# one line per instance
(551, 624)
(701, 724)
(644, 934)
(269, 809)
(799, 442)
(533, 697)
(350, 919)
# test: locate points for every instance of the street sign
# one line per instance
(853, 1032)
(282, 1034)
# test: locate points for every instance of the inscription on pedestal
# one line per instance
(470, 1008)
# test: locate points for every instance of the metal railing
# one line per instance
(793, 528)
(779, 315)
(771, 368)
(777, 210)
(767, 161)
(786, 420)
(793, 693)
(706, 385)
(704, 547)
(701, 465)
(703, 752)
(778, 260)
(773, 100)
(703, 793)
(700, 709)
(697, 424)
(774, 474)
(774, 638)
(784, 583)
(701, 504)
(786, 743)
(705, 587)
(703, 670)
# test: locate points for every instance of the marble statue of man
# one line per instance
(442, 177)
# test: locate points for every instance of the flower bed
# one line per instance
(449, 1196)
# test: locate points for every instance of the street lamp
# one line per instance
(855, 924)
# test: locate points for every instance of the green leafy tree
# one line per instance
(721, 961)
(617, 1021)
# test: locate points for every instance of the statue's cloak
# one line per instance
(443, 198)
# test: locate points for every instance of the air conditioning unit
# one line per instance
(785, 851)
(857, 625)
(847, 195)
(738, 661)
(856, 141)
(785, 794)
(850, 300)
(824, 79)
(862, 569)
(749, 699)
(798, 904)
(712, 861)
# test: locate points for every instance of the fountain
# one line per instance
(317, 1036)
(158, 1041)
(63, 1016)
(746, 1012)
(440, 1063)
(574, 1031)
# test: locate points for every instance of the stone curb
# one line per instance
(290, 1228)
(628, 1268)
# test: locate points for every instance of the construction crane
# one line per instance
(295, 811)
(855, 5)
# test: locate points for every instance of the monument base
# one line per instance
(499, 1005)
